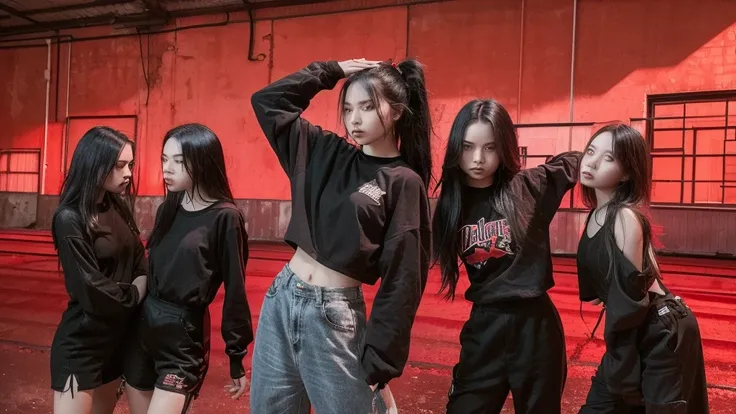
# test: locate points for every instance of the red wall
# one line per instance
(472, 48)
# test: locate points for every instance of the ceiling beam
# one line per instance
(121, 19)
(154, 7)
(80, 6)
(11, 11)
(21, 15)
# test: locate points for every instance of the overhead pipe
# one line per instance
(252, 32)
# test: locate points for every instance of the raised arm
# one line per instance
(549, 182)
(278, 108)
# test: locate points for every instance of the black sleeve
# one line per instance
(278, 108)
(625, 313)
(141, 261)
(404, 265)
(95, 293)
(550, 181)
(237, 330)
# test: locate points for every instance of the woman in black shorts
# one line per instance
(198, 243)
(104, 268)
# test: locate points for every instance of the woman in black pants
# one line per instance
(496, 217)
(654, 358)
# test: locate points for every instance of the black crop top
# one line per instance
(365, 217)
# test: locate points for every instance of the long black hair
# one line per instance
(204, 161)
(631, 153)
(94, 157)
(448, 213)
(402, 86)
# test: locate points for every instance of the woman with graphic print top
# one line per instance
(358, 214)
(496, 217)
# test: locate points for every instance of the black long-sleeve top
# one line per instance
(201, 251)
(365, 217)
(98, 270)
(627, 305)
(496, 270)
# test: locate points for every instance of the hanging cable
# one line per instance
(251, 43)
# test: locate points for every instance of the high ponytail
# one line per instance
(415, 125)
(402, 87)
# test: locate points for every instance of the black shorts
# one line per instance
(170, 349)
(88, 348)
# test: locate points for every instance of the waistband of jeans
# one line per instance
(319, 293)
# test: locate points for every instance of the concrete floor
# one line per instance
(32, 297)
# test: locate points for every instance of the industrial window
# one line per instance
(693, 141)
(19, 170)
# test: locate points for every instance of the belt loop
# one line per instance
(318, 294)
(288, 276)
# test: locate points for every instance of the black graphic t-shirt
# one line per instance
(500, 268)
(485, 236)
(483, 240)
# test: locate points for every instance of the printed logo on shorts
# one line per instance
(372, 190)
(173, 380)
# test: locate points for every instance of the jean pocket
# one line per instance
(274, 288)
(339, 315)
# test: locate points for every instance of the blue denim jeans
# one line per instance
(308, 350)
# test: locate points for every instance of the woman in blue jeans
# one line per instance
(359, 213)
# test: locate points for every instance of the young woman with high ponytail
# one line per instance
(360, 213)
